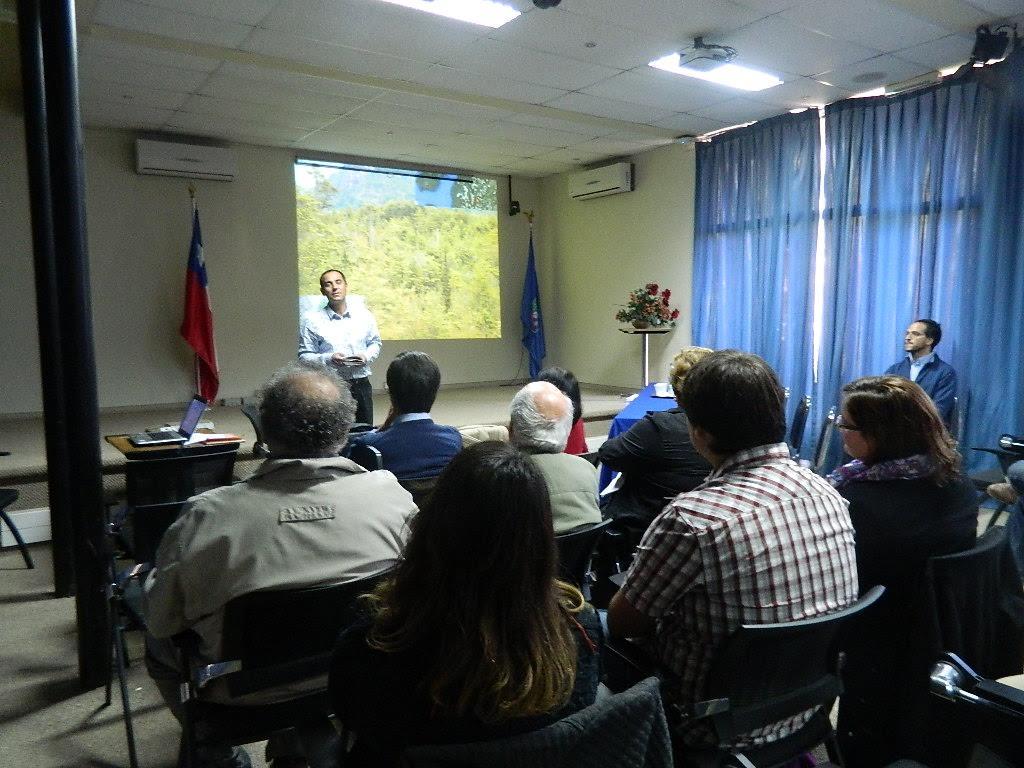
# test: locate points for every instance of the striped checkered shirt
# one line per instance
(763, 540)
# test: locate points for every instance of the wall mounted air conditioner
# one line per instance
(598, 182)
(171, 158)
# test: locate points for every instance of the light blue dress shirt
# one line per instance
(917, 365)
(324, 332)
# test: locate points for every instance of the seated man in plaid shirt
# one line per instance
(763, 540)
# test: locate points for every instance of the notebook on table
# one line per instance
(189, 421)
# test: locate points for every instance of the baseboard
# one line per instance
(32, 524)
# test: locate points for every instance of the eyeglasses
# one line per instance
(846, 427)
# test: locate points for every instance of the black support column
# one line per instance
(53, 136)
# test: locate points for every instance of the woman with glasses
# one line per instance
(908, 502)
(473, 637)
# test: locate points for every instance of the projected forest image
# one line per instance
(423, 251)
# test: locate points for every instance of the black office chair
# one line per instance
(820, 460)
(799, 426)
(176, 478)
(366, 456)
(627, 729)
(252, 413)
(575, 549)
(271, 639)
(985, 716)
(7, 497)
(768, 672)
(1006, 454)
(420, 488)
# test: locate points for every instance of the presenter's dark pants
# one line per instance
(363, 394)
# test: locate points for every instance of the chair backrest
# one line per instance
(366, 456)
(287, 635)
(575, 549)
(260, 447)
(799, 425)
(420, 488)
(626, 729)
(821, 450)
(956, 419)
(176, 478)
(148, 524)
(768, 672)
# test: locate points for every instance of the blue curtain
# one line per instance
(924, 219)
(754, 243)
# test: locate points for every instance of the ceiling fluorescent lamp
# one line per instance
(879, 91)
(483, 12)
(731, 75)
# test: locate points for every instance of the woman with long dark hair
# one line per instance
(908, 502)
(569, 386)
(473, 637)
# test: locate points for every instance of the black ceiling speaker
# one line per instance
(990, 43)
(546, 3)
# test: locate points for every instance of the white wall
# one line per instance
(138, 230)
(596, 251)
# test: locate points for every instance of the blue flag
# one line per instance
(529, 313)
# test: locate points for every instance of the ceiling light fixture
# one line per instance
(486, 13)
(713, 64)
(990, 44)
(879, 91)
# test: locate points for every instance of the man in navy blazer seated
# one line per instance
(923, 366)
(411, 445)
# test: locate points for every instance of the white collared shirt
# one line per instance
(917, 365)
(323, 332)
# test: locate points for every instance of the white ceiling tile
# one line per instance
(497, 59)
(664, 91)
(540, 167)
(171, 23)
(243, 89)
(605, 107)
(881, 70)
(117, 114)
(486, 85)
(680, 20)
(616, 147)
(767, 7)
(691, 125)
(574, 156)
(115, 49)
(999, 8)
(558, 124)
(739, 110)
(444, 106)
(249, 12)
(379, 27)
(887, 27)
(253, 113)
(394, 115)
(800, 92)
(779, 46)
(337, 57)
(545, 137)
(130, 94)
(216, 126)
(938, 54)
(139, 73)
(569, 34)
(277, 77)
(85, 12)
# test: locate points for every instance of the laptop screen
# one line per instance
(193, 413)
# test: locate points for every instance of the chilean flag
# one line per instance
(197, 324)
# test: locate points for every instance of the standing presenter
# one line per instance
(343, 335)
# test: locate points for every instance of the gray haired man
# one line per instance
(541, 417)
(305, 517)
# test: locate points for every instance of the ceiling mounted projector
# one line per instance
(706, 56)
(546, 3)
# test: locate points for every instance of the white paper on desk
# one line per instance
(662, 389)
(202, 437)
(613, 486)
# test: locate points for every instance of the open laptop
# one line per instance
(193, 413)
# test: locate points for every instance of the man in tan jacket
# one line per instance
(305, 517)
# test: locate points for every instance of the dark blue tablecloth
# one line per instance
(644, 403)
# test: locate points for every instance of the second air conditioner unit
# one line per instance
(194, 161)
(598, 182)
